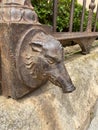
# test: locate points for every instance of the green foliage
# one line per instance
(97, 26)
(44, 10)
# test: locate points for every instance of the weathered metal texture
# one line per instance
(85, 44)
(71, 15)
(55, 7)
(17, 11)
(84, 39)
(83, 14)
(90, 16)
(96, 19)
(29, 56)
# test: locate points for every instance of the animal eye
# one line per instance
(50, 61)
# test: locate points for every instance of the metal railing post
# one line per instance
(71, 15)
(96, 19)
(83, 13)
(55, 3)
(90, 16)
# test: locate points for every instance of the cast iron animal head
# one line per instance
(40, 58)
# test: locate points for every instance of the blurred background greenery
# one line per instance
(45, 13)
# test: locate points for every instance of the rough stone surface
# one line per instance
(49, 109)
(94, 122)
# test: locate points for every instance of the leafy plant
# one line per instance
(44, 9)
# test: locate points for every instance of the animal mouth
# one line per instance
(54, 80)
(58, 82)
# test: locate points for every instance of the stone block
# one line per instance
(49, 109)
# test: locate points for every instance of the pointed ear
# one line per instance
(36, 46)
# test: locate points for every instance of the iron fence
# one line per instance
(72, 7)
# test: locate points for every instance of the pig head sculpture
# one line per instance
(29, 56)
(40, 58)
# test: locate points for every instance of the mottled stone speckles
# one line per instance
(48, 108)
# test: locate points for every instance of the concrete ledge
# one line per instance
(49, 109)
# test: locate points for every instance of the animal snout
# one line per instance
(66, 85)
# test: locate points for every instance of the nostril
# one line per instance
(66, 86)
(68, 89)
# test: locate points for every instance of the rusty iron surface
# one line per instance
(71, 15)
(96, 19)
(55, 7)
(30, 56)
(84, 39)
(83, 14)
(17, 11)
(90, 16)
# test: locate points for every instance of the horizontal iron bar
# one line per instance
(74, 35)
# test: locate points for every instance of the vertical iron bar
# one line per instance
(96, 19)
(55, 3)
(90, 16)
(71, 15)
(83, 13)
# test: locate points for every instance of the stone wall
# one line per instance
(49, 109)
